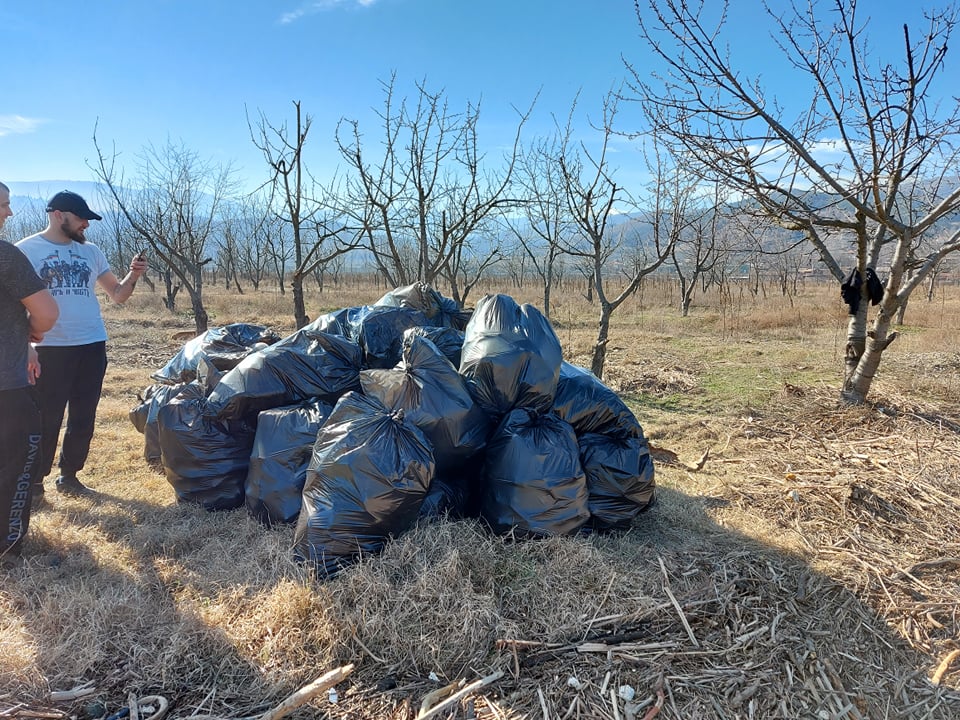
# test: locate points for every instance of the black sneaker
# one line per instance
(69, 485)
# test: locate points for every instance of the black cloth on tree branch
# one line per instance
(850, 289)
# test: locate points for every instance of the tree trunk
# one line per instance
(546, 299)
(864, 350)
(200, 317)
(856, 346)
(603, 336)
(299, 308)
(900, 312)
(199, 314)
(686, 295)
(170, 291)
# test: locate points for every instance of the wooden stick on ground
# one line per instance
(683, 618)
(543, 703)
(19, 711)
(435, 696)
(133, 706)
(456, 697)
(944, 664)
(308, 692)
(71, 695)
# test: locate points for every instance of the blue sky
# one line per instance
(190, 70)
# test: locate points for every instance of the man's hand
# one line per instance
(33, 365)
(138, 266)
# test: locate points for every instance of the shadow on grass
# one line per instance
(207, 610)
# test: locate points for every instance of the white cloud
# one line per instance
(316, 6)
(18, 124)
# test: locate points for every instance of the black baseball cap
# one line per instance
(66, 201)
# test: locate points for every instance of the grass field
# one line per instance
(802, 560)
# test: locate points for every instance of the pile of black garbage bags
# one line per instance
(372, 418)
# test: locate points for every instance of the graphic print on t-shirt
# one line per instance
(66, 277)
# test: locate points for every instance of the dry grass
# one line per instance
(809, 569)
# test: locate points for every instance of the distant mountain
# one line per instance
(45, 189)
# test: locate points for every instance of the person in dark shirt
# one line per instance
(27, 311)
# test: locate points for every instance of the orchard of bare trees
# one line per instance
(858, 181)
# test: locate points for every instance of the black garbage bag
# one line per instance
(208, 375)
(282, 448)
(511, 357)
(446, 498)
(138, 413)
(590, 406)
(448, 340)
(368, 476)
(533, 483)
(620, 479)
(204, 459)
(455, 493)
(380, 334)
(432, 396)
(340, 322)
(144, 417)
(225, 346)
(303, 365)
(441, 311)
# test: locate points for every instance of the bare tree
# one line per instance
(787, 257)
(684, 217)
(593, 197)
(419, 198)
(228, 243)
(514, 264)
(888, 124)
(256, 227)
(173, 204)
(693, 256)
(544, 219)
(120, 240)
(276, 236)
(317, 237)
(471, 258)
(942, 268)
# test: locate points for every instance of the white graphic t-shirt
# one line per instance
(70, 273)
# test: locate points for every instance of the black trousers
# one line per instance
(19, 463)
(70, 381)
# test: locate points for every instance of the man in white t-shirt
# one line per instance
(73, 353)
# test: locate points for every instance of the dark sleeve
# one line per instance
(874, 287)
(17, 275)
(850, 291)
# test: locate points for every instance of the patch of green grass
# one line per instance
(733, 375)
(736, 385)
(672, 403)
